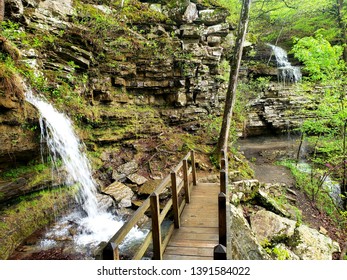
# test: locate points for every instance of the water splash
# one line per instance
(286, 72)
(96, 224)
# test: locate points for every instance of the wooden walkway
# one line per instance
(198, 232)
(200, 223)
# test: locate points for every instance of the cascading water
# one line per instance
(95, 225)
(286, 72)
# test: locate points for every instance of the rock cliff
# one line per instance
(119, 72)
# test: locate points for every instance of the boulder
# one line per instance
(57, 8)
(244, 244)
(121, 193)
(312, 245)
(191, 13)
(137, 179)
(269, 203)
(270, 227)
(148, 187)
(124, 170)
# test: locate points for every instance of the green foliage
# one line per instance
(321, 60)
(294, 18)
(311, 183)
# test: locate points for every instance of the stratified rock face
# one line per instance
(133, 89)
(18, 131)
(279, 109)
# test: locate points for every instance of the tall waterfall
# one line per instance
(57, 131)
(286, 72)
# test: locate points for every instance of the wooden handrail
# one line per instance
(152, 203)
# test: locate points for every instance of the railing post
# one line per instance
(186, 180)
(192, 155)
(175, 199)
(222, 219)
(220, 252)
(156, 227)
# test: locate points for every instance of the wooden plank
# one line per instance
(193, 243)
(196, 236)
(180, 257)
(190, 251)
(184, 230)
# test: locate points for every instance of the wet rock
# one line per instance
(121, 193)
(105, 202)
(244, 244)
(269, 226)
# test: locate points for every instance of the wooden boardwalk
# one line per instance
(198, 232)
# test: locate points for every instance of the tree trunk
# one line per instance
(2, 10)
(234, 74)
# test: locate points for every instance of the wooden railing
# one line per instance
(181, 179)
(220, 250)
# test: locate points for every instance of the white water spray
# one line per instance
(286, 72)
(57, 131)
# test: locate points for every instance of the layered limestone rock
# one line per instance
(132, 82)
(279, 109)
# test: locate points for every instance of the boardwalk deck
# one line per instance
(198, 234)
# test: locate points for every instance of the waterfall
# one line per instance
(286, 72)
(57, 131)
(95, 225)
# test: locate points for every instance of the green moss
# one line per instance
(29, 214)
(23, 170)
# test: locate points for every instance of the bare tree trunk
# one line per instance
(2, 10)
(234, 74)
